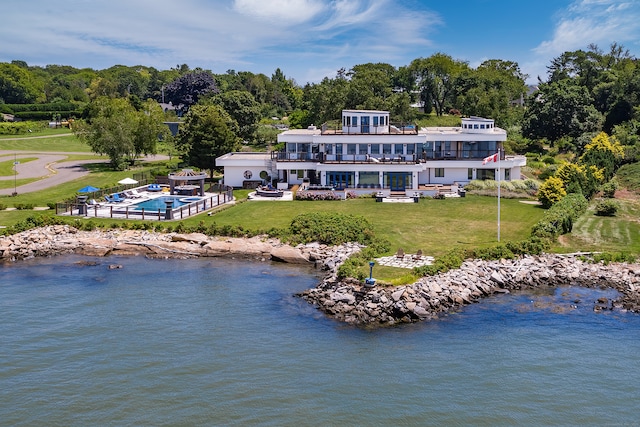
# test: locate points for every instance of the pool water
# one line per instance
(159, 203)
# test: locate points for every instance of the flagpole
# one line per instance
(499, 155)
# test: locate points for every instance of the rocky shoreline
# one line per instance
(65, 239)
(430, 297)
(348, 301)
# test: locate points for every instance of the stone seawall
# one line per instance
(430, 297)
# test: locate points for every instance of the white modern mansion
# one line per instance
(367, 151)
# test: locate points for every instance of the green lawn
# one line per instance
(68, 143)
(620, 233)
(431, 225)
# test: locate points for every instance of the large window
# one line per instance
(362, 149)
(386, 148)
(351, 148)
(398, 149)
(486, 174)
(439, 172)
(368, 178)
(375, 148)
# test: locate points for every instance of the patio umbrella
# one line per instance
(88, 189)
(127, 181)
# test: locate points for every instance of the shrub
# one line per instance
(551, 191)
(330, 228)
(317, 196)
(606, 207)
(559, 218)
(609, 189)
(609, 257)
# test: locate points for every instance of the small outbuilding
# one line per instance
(187, 182)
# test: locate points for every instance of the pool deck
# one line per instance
(125, 209)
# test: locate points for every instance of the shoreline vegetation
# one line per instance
(347, 300)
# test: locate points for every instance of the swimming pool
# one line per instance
(159, 203)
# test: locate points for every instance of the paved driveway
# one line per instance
(51, 168)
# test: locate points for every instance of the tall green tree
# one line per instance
(244, 109)
(19, 85)
(208, 133)
(115, 128)
(435, 77)
(110, 130)
(492, 90)
(560, 109)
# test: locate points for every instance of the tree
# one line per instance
(208, 133)
(435, 77)
(116, 129)
(604, 153)
(19, 86)
(149, 128)
(243, 109)
(110, 130)
(490, 91)
(187, 89)
(560, 109)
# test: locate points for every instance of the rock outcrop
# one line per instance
(64, 239)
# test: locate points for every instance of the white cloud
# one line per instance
(593, 21)
(291, 11)
(300, 36)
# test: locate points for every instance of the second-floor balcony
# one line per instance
(284, 156)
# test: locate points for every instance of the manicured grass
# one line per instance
(39, 129)
(629, 176)
(434, 226)
(68, 143)
(620, 233)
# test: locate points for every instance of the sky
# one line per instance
(310, 39)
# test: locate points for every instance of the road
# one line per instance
(51, 168)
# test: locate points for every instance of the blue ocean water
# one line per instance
(224, 342)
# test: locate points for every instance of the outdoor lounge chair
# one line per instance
(154, 187)
(116, 198)
(418, 255)
(400, 254)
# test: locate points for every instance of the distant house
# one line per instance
(367, 151)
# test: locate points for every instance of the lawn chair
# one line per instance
(418, 255)
(400, 254)
(116, 198)
(133, 193)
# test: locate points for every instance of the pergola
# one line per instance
(187, 182)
